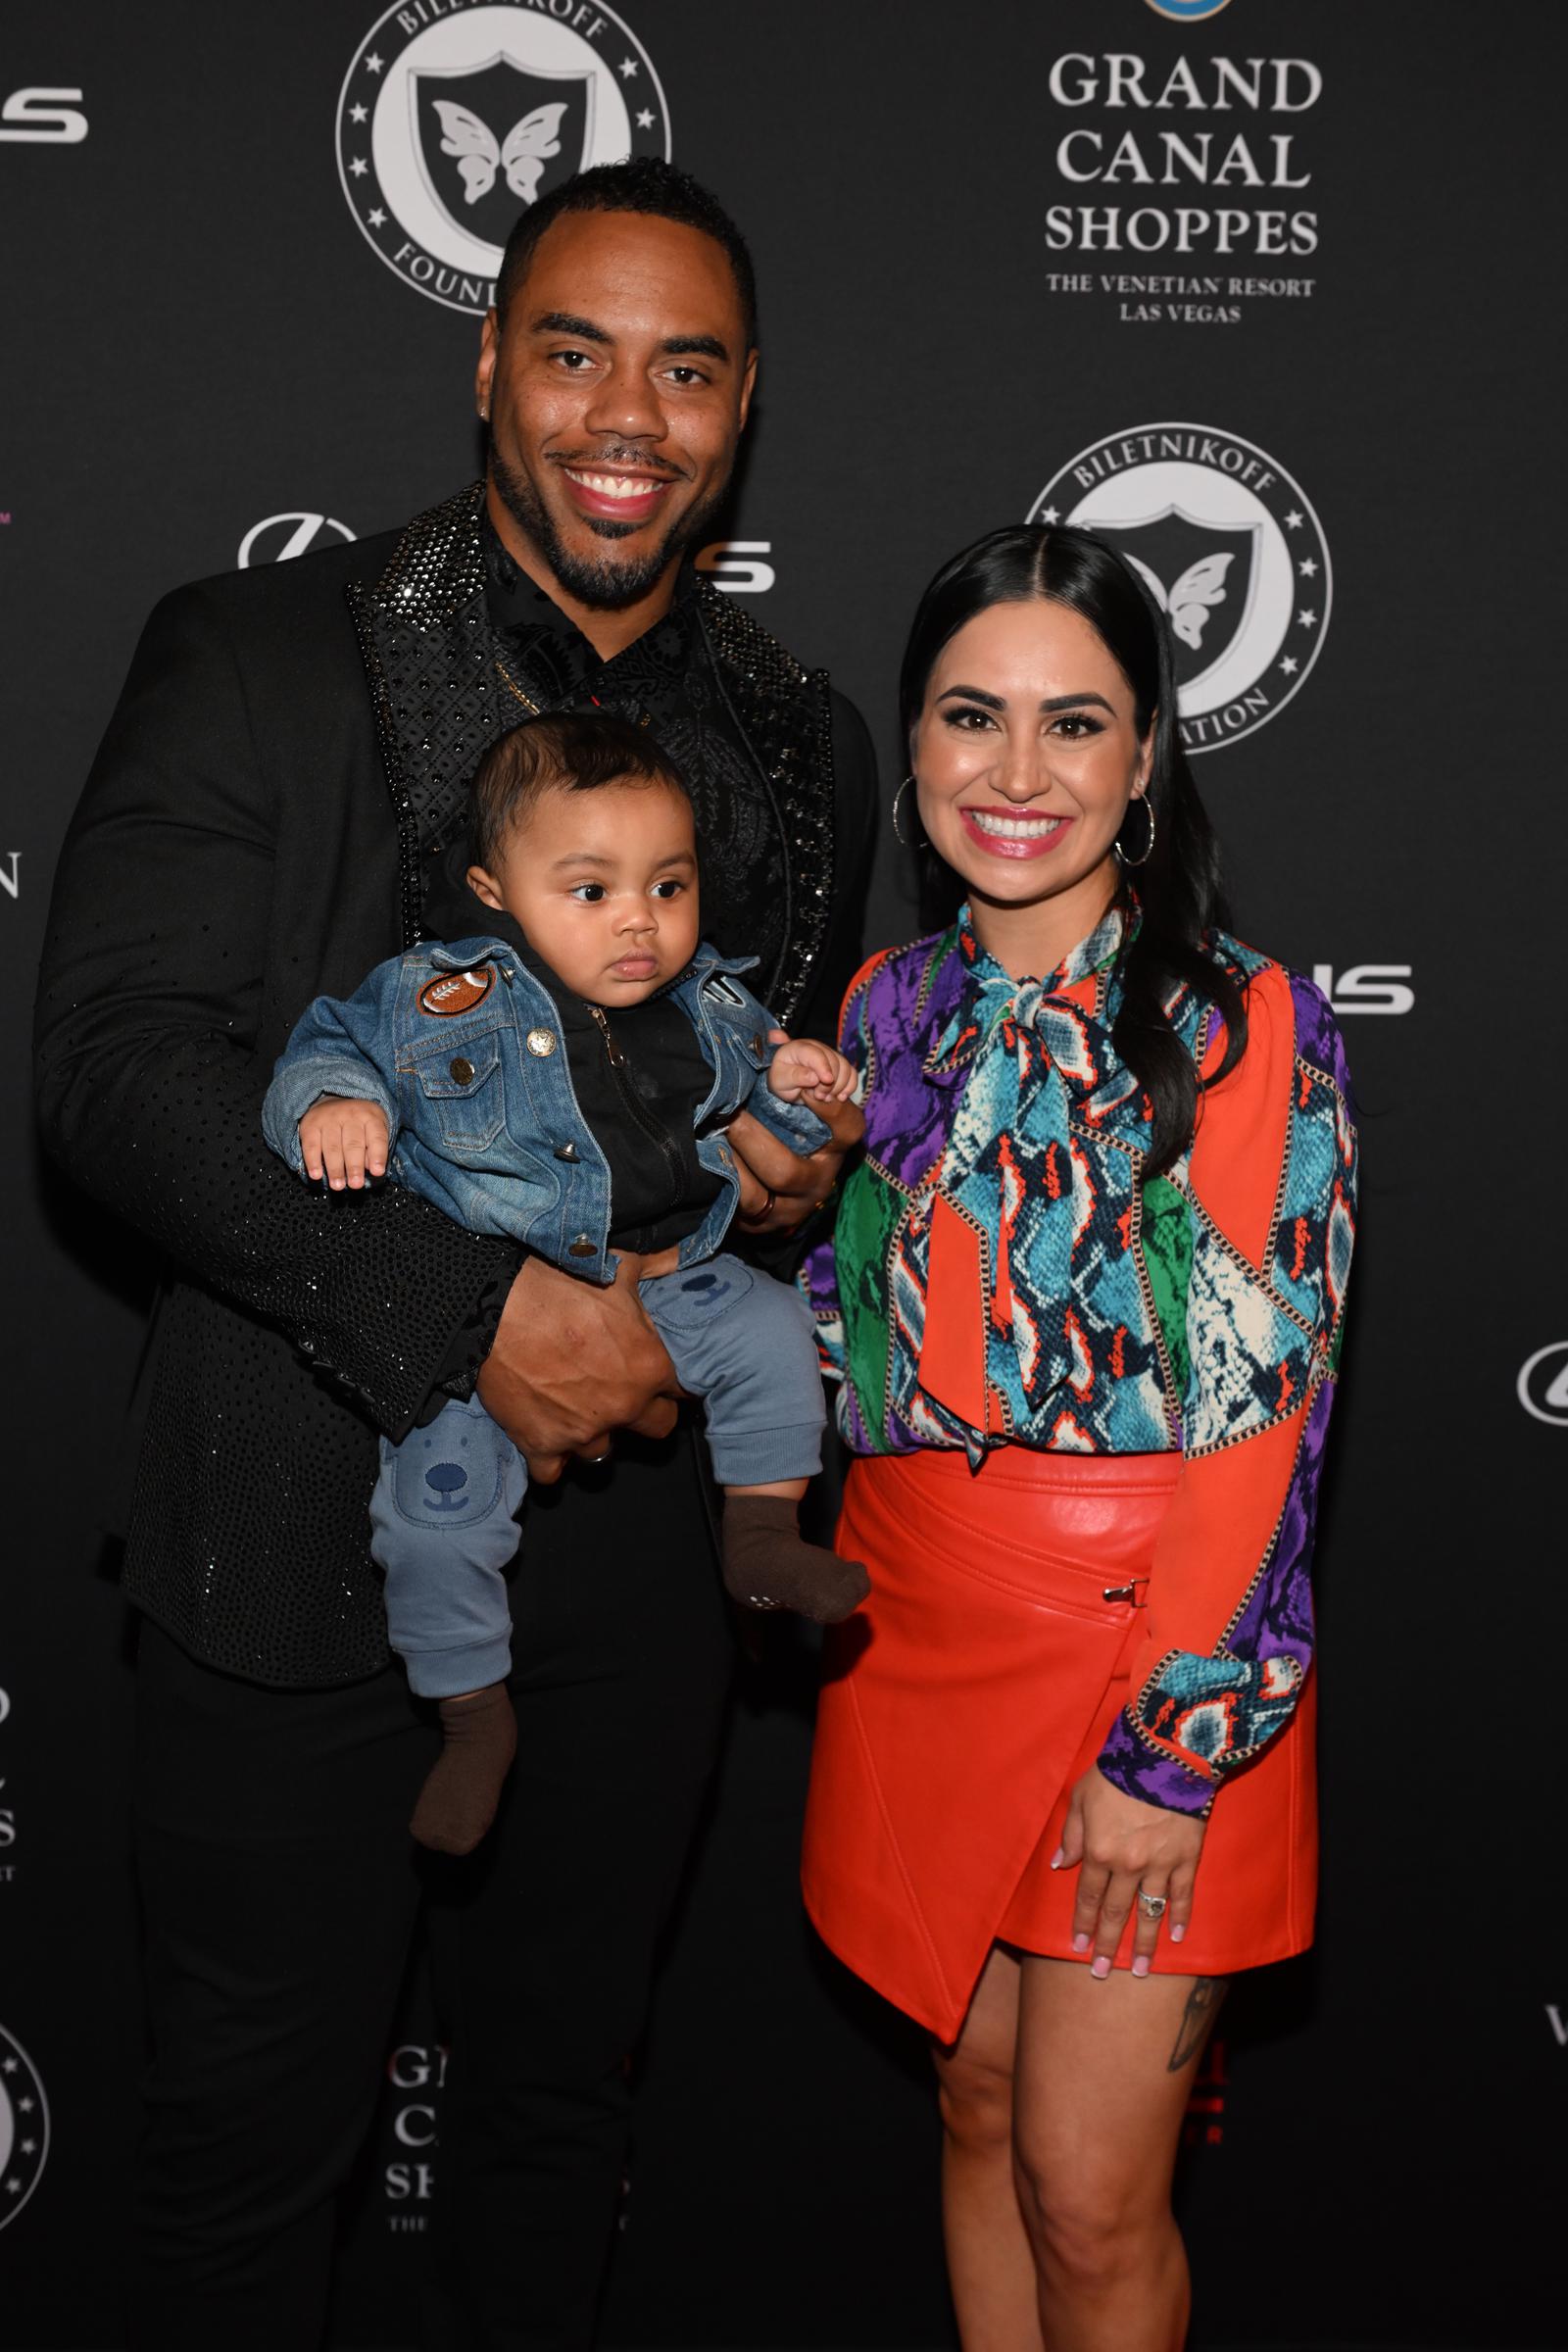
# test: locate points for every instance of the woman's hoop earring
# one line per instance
(1121, 854)
(899, 834)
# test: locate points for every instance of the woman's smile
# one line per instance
(1016, 832)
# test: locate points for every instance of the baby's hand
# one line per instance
(344, 1140)
(801, 1067)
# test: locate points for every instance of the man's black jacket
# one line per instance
(289, 742)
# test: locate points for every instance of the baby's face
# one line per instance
(604, 886)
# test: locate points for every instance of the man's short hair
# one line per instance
(645, 184)
(563, 751)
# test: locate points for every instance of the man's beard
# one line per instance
(606, 585)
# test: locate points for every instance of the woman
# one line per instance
(1084, 1296)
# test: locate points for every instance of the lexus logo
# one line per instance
(278, 537)
(1543, 1385)
(43, 117)
(737, 566)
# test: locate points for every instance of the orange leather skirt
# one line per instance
(966, 1696)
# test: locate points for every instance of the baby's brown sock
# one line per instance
(766, 1559)
(458, 1799)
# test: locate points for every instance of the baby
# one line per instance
(562, 1073)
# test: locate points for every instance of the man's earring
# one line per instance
(899, 834)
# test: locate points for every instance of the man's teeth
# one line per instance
(614, 485)
(1013, 828)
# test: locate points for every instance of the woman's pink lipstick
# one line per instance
(1037, 840)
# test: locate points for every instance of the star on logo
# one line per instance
(375, 65)
(1309, 621)
(24, 2106)
(376, 218)
(7, 2066)
(359, 114)
(1050, 514)
(1307, 568)
(358, 167)
(1290, 667)
(645, 121)
(1294, 521)
(629, 68)
(12, 2188)
(29, 2147)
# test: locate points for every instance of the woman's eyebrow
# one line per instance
(996, 702)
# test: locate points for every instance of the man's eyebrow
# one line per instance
(563, 322)
(996, 702)
(567, 322)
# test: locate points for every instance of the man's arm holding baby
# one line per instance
(572, 1363)
(569, 1363)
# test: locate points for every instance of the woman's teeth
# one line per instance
(1013, 828)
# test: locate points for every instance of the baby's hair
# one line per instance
(562, 750)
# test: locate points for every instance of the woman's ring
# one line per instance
(1153, 1906)
(754, 1216)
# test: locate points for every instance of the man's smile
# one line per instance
(624, 492)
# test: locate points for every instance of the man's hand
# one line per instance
(570, 1364)
(779, 1189)
(344, 1140)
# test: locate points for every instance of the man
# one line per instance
(291, 748)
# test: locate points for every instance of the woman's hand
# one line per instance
(1122, 1848)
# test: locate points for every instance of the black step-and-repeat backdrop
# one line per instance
(1263, 286)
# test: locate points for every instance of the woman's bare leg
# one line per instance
(989, 2265)
(1100, 2084)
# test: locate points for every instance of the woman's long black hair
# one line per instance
(1178, 887)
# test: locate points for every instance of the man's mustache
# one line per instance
(619, 453)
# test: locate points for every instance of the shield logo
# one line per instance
(1203, 574)
(496, 136)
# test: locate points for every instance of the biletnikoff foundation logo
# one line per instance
(24, 2127)
(449, 125)
(1228, 545)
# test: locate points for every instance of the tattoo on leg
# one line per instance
(1197, 2018)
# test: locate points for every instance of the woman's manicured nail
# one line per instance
(1141, 1965)
(1058, 1857)
(1102, 1967)
(1177, 1934)
(1080, 1943)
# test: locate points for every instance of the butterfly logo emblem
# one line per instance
(521, 154)
(456, 117)
(496, 136)
(1230, 548)
(1191, 597)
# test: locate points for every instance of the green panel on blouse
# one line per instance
(1168, 1255)
(870, 1213)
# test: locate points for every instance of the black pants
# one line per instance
(279, 1893)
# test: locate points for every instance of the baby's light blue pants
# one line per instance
(443, 1515)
